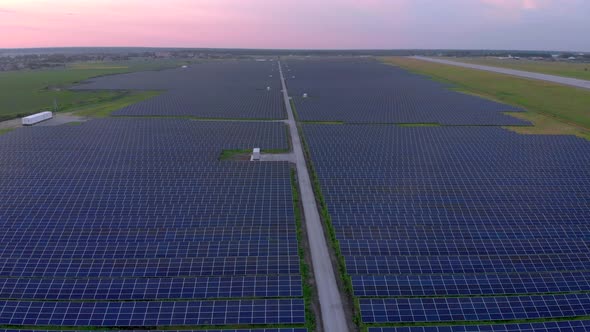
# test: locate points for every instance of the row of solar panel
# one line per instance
(379, 218)
(466, 264)
(151, 288)
(170, 249)
(474, 308)
(470, 284)
(559, 326)
(178, 267)
(483, 231)
(461, 247)
(297, 329)
(24, 235)
(131, 221)
(281, 311)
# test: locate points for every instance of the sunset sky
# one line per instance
(326, 24)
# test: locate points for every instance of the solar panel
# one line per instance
(171, 249)
(137, 222)
(474, 308)
(560, 326)
(384, 94)
(469, 284)
(425, 215)
(151, 288)
(216, 89)
(224, 330)
(281, 311)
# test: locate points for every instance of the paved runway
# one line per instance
(525, 74)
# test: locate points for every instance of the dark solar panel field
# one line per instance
(216, 89)
(459, 224)
(135, 222)
(562, 326)
(366, 91)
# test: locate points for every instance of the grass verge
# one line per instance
(308, 290)
(564, 108)
(5, 130)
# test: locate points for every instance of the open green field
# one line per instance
(552, 108)
(562, 68)
(27, 92)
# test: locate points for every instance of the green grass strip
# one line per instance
(6, 130)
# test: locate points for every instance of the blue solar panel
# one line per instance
(463, 247)
(466, 264)
(560, 326)
(474, 308)
(366, 91)
(137, 222)
(216, 89)
(23, 237)
(171, 249)
(452, 211)
(160, 267)
(224, 330)
(483, 231)
(282, 311)
(150, 288)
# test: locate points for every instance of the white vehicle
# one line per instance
(36, 118)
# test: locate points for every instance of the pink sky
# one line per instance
(522, 24)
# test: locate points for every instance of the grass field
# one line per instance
(27, 92)
(562, 68)
(552, 108)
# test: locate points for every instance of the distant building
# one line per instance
(163, 54)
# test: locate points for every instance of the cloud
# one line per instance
(7, 11)
(513, 5)
(297, 23)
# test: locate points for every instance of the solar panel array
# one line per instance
(127, 222)
(562, 326)
(366, 91)
(224, 330)
(216, 89)
(459, 224)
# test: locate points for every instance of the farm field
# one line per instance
(566, 69)
(27, 92)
